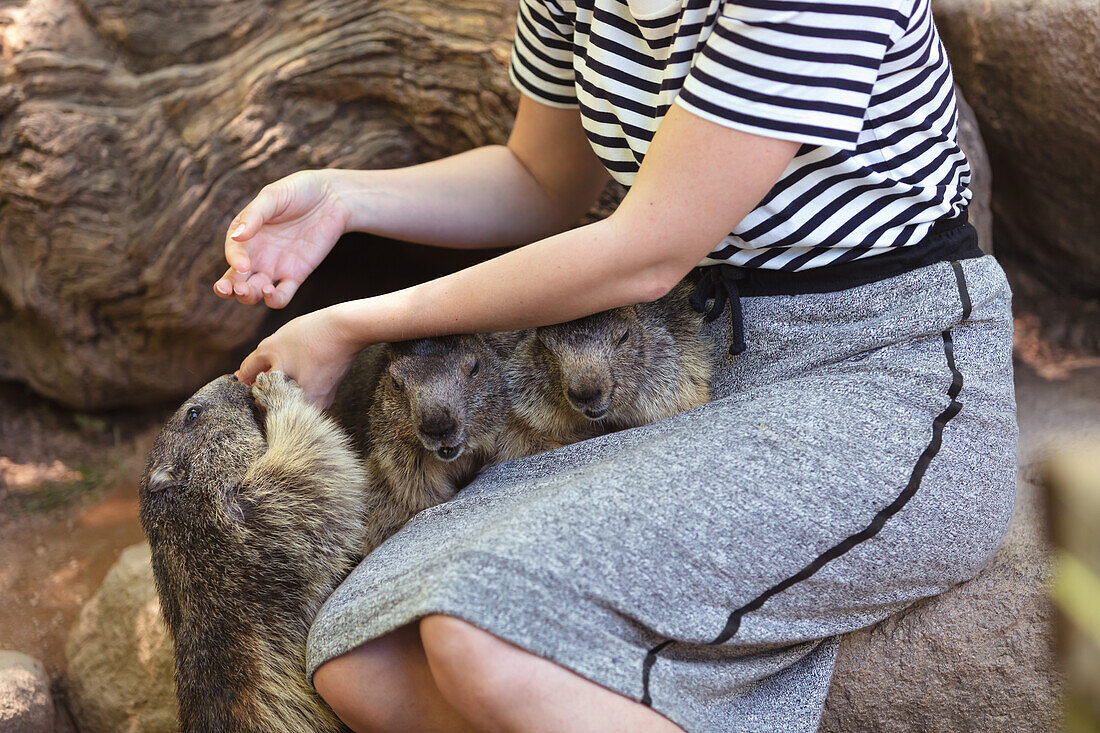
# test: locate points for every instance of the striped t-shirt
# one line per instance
(865, 85)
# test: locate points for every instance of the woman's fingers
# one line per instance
(251, 291)
(256, 362)
(224, 286)
(268, 204)
(279, 296)
(236, 254)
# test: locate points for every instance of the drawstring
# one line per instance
(718, 283)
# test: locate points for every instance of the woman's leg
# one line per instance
(500, 687)
(860, 457)
(453, 674)
(386, 685)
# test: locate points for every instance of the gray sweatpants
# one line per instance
(859, 456)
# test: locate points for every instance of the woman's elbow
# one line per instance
(656, 281)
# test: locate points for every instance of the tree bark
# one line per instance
(131, 131)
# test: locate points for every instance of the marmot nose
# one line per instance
(585, 395)
(439, 427)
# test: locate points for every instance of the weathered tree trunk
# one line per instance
(132, 130)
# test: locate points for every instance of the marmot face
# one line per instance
(188, 492)
(448, 391)
(594, 364)
(199, 459)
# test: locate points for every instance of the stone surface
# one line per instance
(120, 654)
(979, 657)
(1031, 71)
(25, 702)
(132, 130)
(979, 212)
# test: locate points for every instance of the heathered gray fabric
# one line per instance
(591, 554)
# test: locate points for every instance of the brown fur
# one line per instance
(254, 506)
(424, 387)
(613, 370)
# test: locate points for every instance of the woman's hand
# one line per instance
(312, 349)
(280, 238)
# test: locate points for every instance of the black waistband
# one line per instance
(716, 285)
(949, 239)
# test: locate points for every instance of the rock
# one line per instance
(132, 130)
(25, 702)
(979, 657)
(981, 180)
(1031, 71)
(120, 654)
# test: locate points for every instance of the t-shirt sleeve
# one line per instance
(798, 70)
(542, 55)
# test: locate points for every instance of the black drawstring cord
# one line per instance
(718, 283)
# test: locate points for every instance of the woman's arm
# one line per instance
(541, 182)
(494, 196)
(698, 180)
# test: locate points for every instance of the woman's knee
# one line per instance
(337, 683)
(473, 669)
(370, 687)
(499, 686)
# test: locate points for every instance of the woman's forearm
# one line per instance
(683, 202)
(566, 276)
(667, 223)
(485, 197)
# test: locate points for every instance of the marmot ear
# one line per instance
(238, 509)
(470, 363)
(395, 378)
(163, 477)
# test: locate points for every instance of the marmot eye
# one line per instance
(624, 337)
(475, 368)
(192, 414)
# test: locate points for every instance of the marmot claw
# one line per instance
(274, 389)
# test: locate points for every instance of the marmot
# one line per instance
(254, 505)
(352, 405)
(609, 371)
(436, 419)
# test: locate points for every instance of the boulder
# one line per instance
(25, 702)
(979, 657)
(119, 654)
(979, 212)
(1031, 70)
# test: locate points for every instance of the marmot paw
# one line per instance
(274, 389)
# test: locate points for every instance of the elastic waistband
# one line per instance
(717, 285)
(948, 240)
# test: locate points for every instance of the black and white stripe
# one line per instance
(865, 85)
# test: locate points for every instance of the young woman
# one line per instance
(860, 453)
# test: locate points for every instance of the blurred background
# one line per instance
(131, 131)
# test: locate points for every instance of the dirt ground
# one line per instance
(68, 505)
